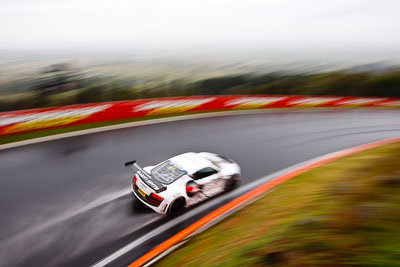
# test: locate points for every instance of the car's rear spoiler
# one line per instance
(146, 177)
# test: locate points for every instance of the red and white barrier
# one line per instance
(38, 119)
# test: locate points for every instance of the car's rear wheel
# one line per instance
(177, 207)
(232, 182)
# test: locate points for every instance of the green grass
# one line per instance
(345, 213)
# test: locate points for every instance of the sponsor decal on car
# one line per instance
(153, 184)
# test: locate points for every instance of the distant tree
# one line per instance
(334, 83)
(52, 82)
(176, 87)
(215, 86)
(92, 95)
(57, 78)
(385, 85)
(265, 78)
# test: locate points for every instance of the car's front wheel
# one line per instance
(232, 182)
(177, 207)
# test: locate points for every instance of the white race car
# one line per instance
(183, 181)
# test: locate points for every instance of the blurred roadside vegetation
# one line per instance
(344, 213)
(62, 85)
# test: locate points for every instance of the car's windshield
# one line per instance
(166, 172)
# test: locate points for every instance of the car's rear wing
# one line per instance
(131, 164)
(146, 177)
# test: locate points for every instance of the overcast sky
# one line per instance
(347, 25)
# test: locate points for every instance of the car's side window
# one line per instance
(203, 173)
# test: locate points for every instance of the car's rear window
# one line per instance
(166, 172)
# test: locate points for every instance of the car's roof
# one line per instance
(190, 162)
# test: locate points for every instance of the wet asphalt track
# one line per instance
(67, 202)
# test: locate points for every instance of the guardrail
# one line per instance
(38, 119)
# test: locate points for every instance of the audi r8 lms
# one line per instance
(182, 181)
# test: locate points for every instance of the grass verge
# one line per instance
(345, 213)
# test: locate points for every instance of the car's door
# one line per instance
(205, 175)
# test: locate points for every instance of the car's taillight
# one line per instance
(134, 180)
(156, 197)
